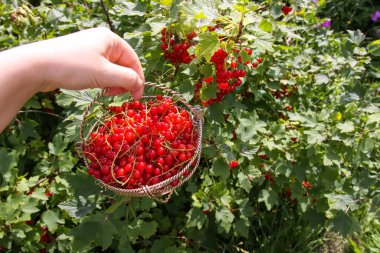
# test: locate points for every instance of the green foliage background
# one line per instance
(334, 114)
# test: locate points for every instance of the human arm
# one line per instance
(94, 58)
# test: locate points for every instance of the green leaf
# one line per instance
(265, 25)
(94, 230)
(245, 208)
(261, 40)
(129, 9)
(345, 224)
(206, 70)
(374, 118)
(315, 137)
(208, 92)
(30, 206)
(79, 98)
(242, 227)
(269, 197)
(208, 44)
(321, 79)
(39, 193)
(28, 129)
(374, 48)
(249, 125)
(253, 171)
(248, 151)
(196, 218)
(341, 202)
(244, 182)
(216, 112)
(186, 88)
(225, 218)
(331, 157)
(82, 184)
(166, 2)
(51, 219)
(58, 145)
(220, 168)
(7, 164)
(140, 228)
(346, 127)
(356, 37)
(78, 207)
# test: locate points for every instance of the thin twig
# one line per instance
(48, 113)
(109, 21)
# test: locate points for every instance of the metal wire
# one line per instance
(164, 187)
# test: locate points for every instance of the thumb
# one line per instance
(120, 80)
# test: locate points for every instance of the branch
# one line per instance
(109, 21)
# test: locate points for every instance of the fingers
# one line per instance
(122, 79)
(125, 56)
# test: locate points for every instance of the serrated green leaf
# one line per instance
(220, 168)
(374, 47)
(341, 202)
(140, 228)
(244, 182)
(248, 151)
(249, 125)
(253, 171)
(314, 136)
(39, 193)
(51, 219)
(225, 218)
(58, 145)
(216, 112)
(79, 98)
(269, 197)
(207, 93)
(196, 218)
(208, 44)
(346, 127)
(186, 88)
(30, 206)
(321, 79)
(356, 37)
(261, 40)
(28, 129)
(94, 230)
(331, 157)
(265, 25)
(82, 184)
(345, 224)
(206, 70)
(374, 118)
(166, 2)
(241, 226)
(78, 207)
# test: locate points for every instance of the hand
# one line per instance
(94, 58)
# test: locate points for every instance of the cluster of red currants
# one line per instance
(286, 9)
(228, 76)
(174, 49)
(141, 143)
(286, 91)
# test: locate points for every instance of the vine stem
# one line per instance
(109, 21)
(116, 205)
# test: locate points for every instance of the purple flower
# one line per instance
(326, 23)
(375, 16)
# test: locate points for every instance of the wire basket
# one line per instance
(168, 180)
